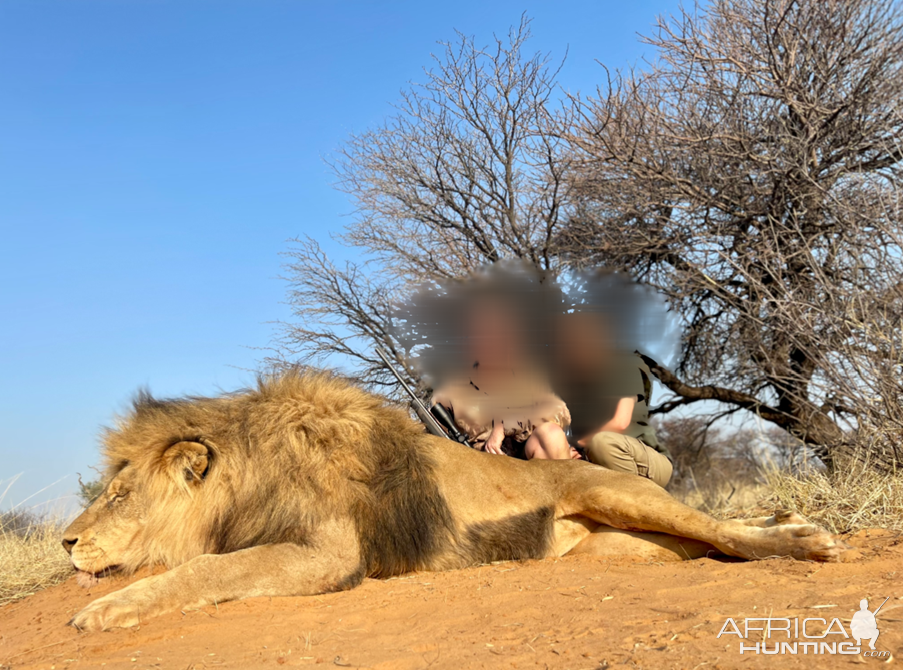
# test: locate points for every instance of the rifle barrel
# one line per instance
(432, 424)
(382, 354)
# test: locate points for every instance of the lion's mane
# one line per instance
(283, 457)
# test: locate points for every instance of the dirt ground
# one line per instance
(574, 612)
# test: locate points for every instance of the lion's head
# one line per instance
(196, 476)
(117, 531)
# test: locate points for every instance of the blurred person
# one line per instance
(503, 403)
(604, 382)
(483, 339)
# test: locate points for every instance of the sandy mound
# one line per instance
(575, 612)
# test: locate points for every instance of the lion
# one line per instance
(308, 484)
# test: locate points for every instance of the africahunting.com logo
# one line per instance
(809, 636)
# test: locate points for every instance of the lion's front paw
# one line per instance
(112, 611)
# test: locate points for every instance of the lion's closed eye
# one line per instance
(117, 497)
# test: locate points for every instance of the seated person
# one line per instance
(502, 403)
(524, 424)
(608, 394)
(626, 442)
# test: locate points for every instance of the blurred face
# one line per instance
(494, 337)
(582, 342)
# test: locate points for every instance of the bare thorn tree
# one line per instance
(752, 174)
(469, 171)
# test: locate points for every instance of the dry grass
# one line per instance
(31, 557)
(844, 502)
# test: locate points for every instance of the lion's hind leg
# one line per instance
(651, 547)
(664, 548)
(779, 518)
(633, 503)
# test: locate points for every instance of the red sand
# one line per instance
(576, 612)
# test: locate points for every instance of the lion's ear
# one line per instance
(188, 461)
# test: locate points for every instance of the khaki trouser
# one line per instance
(628, 454)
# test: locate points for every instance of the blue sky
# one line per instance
(156, 157)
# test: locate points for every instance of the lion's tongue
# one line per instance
(85, 579)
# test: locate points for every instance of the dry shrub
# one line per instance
(846, 501)
(31, 557)
(744, 473)
(715, 470)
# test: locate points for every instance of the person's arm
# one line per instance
(623, 416)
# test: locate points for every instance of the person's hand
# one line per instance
(575, 454)
(494, 443)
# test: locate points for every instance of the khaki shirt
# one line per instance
(593, 403)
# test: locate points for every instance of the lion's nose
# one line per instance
(68, 543)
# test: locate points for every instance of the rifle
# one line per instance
(437, 419)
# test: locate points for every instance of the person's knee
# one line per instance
(661, 471)
(611, 451)
(533, 449)
(549, 431)
(548, 441)
(626, 454)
